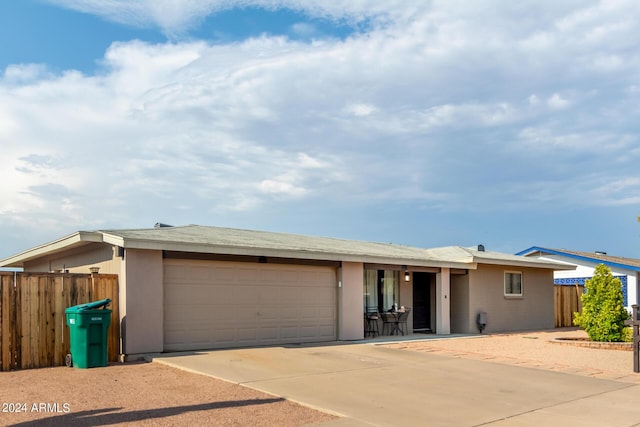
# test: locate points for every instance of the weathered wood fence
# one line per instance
(33, 328)
(567, 301)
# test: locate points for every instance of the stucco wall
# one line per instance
(443, 301)
(460, 303)
(142, 307)
(79, 260)
(534, 310)
(350, 296)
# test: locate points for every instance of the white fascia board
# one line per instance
(112, 240)
(284, 253)
(551, 265)
(79, 238)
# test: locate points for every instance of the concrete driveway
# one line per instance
(369, 384)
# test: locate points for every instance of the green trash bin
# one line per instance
(88, 325)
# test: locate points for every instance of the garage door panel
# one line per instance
(224, 334)
(223, 296)
(270, 296)
(223, 313)
(174, 272)
(199, 335)
(290, 332)
(174, 337)
(196, 314)
(201, 274)
(326, 330)
(219, 304)
(248, 275)
(290, 313)
(319, 277)
(223, 274)
(247, 334)
(267, 333)
(243, 295)
(308, 331)
(267, 314)
(322, 293)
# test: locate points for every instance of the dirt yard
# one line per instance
(141, 394)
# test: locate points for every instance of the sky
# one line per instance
(426, 123)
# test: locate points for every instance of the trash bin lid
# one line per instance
(91, 305)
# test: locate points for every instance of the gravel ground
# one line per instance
(141, 394)
(535, 350)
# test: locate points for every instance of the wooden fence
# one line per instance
(33, 329)
(567, 301)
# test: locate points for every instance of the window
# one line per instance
(513, 284)
(381, 290)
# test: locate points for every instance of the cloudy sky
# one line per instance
(428, 123)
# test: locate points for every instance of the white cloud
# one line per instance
(449, 104)
(304, 29)
(24, 73)
(281, 187)
(360, 110)
(556, 102)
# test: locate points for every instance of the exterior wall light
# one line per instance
(94, 270)
(407, 275)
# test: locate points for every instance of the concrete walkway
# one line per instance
(371, 385)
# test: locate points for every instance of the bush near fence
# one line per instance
(33, 329)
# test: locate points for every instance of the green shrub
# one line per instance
(627, 334)
(603, 313)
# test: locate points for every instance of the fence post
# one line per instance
(635, 323)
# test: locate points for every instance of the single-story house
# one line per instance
(196, 287)
(626, 269)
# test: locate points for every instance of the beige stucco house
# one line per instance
(197, 287)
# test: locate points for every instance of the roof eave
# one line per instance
(285, 253)
(525, 263)
(542, 251)
(74, 240)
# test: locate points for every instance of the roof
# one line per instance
(218, 240)
(595, 257)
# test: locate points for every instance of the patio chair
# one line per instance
(371, 324)
(389, 323)
(402, 320)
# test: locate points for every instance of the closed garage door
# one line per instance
(211, 304)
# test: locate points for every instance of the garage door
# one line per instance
(229, 304)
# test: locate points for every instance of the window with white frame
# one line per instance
(513, 283)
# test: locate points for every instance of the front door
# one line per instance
(421, 302)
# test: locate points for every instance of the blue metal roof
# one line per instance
(610, 261)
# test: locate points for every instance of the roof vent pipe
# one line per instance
(481, 248)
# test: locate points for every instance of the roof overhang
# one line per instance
(524, 262)
(129, 243)
(536, 251)
(451, 257)
(71, 241)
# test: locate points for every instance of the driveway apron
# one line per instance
(373, 385)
